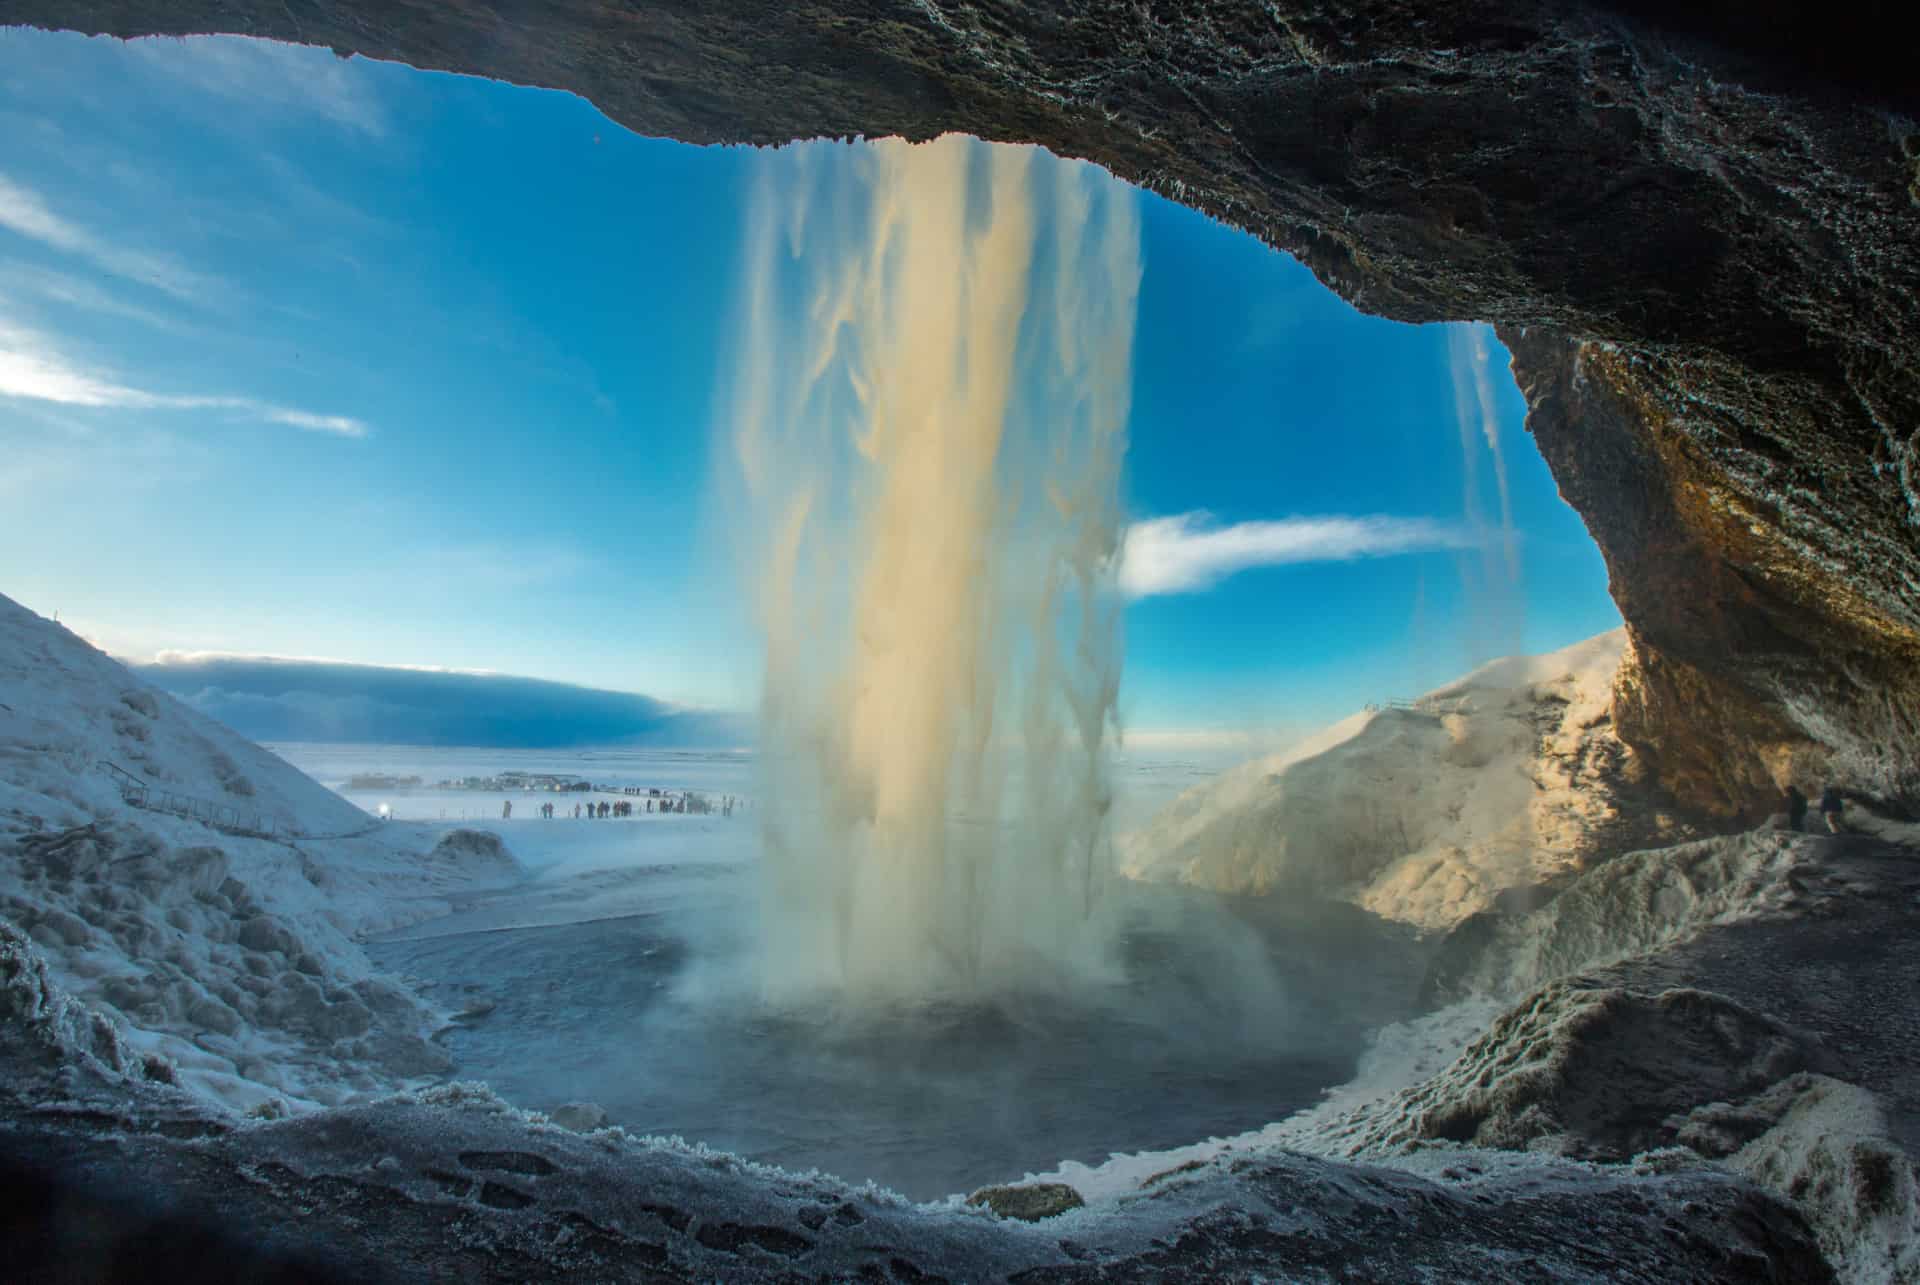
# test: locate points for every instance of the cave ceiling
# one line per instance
(1696, 226)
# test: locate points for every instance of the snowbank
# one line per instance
(1503, 779)
(1595, 1074)
(1826, 1145)
(1631, 905)
(1671, 1082)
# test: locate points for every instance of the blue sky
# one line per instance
(310, 357)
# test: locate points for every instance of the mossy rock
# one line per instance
(1029, 1203)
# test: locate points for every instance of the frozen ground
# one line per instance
(1686, 1064)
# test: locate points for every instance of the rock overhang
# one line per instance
(1698, 232)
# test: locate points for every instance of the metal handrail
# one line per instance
(224, 817)
(219, 816)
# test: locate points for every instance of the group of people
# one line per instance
(624, 808)
(604, 809)
(1832, 808)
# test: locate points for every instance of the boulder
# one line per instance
(264, 933)
(1029, 1202)
(581, 1117)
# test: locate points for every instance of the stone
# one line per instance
(263, 934)
(211, 1015)
(200, 870)
(70, 930)
(1029, 1202)
(581, 1117)
(342, 1021)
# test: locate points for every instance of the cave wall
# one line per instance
(1697, 225)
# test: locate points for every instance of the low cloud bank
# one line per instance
(268, 699)
(1186, 553)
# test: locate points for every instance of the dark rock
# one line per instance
(520, 1162)
(581, 1117)
(465, 847)
(729, 1237)
(404, 1053)
(1029, 1202)
(1591, 1073)
(263, 933)
(500, 1196)
(67, 854)
(212, 1015)
(341, 1021)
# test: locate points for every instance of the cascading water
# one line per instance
(929, 408)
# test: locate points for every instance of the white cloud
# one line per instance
(30, 367)
(23, 211)
(181, 656)
(270, 73)
(1184, 553)
(73, 292)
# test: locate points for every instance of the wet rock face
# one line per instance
(1700, 234)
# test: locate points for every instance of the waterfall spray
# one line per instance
(928, 419)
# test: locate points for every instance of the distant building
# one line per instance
(382, 781)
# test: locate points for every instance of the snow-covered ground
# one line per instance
(1570, 1086)
(284, 975)
(233, 956)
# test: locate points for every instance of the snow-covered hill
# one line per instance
(232, 957)
(66, 708)
(1503, 779)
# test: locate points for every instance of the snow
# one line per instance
(1634, 904)
(1539, 1068)
(1827, 1145)
(407, 1184)
(232, 957)
(161, 956)
(1422, 815)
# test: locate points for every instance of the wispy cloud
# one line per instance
(74, 292)
(45, 451)
(25, 212)
(1186, 553)
(269, 73)
(32, 368)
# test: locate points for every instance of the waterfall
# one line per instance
(927, 420)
